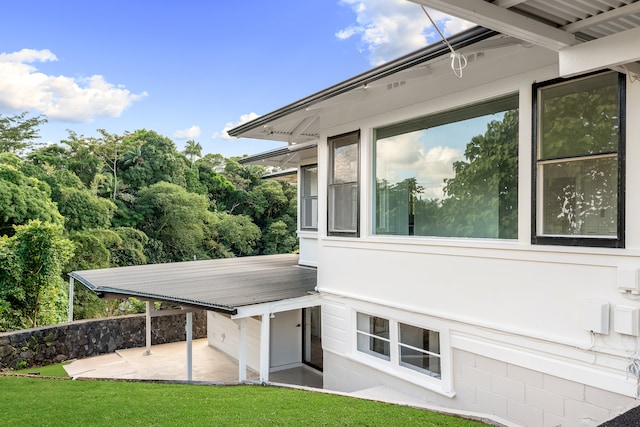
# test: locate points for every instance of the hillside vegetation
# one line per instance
(121, 200)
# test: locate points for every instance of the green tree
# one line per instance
(278, 239)
(176, 218)
(34, 259)
(133, 157)
(83, 210)
(17, 132)
(233, 234)
(102, 248)
(82, 160)
(162, 162)
(110, 148)
(23, 198)
(490, 169)
(193, 150)
(219, 189)
(130, 250)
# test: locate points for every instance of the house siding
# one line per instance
(510, 314)
(481, 384)
(223, 333)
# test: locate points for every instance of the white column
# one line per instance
(70, 299)
(147, 328)
(264, 348)
(242, 354)
(189, 346)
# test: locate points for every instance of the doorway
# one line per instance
(312, 337)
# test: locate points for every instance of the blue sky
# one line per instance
(190, 69)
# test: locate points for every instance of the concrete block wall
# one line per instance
(486, 386)
(531, 398)
(84, 338)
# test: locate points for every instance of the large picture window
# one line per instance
(309, 198)
(453, 174)
(578, 161)
(343, 191)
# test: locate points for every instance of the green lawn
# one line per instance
(45, 371)
(62, 402)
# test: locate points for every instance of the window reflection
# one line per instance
(452, 174)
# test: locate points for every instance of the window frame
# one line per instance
(424, 351)
(475, 109)
(536, 213)
(305, 197)
(373, 337)
(393, 360)
(331, 142)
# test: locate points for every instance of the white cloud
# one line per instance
(23, 87)
(391, 28)
(405, 156)
(224, 133)
(191, 133)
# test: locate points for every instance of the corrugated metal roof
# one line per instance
(219, 285)
(586, 19)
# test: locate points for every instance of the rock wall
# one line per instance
(83, 338)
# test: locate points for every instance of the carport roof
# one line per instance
(221, 285)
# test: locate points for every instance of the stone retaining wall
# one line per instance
(83, 338)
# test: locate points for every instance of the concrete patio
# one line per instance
(169, 362)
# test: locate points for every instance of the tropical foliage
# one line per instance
(118, 200)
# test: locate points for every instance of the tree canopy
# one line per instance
(118, 200)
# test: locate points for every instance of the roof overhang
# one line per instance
(583, 35)
(222, 285)
(286, 157)
(285, 123)
(588, 35)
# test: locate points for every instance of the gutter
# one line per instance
(431, 52)
(101, 291)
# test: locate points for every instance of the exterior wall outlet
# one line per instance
(626, 320)
(595, 317)
(628, 279)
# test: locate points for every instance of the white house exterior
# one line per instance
(510, 284)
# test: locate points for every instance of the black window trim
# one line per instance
(330, 139)
(619, 240)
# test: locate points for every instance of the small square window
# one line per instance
(420, 349)
(373, 335)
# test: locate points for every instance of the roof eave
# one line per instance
(102, 291)
(413, 59)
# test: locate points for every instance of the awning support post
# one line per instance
(264, 348)
(242, 355)
(148, 328)
(189, 327)
(71, 282)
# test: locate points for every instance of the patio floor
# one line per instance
(169, 362)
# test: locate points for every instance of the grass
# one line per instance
(55, 402)
(45, 371)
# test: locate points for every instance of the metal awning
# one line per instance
(222, 285)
